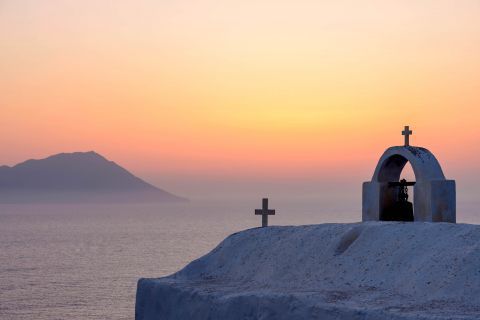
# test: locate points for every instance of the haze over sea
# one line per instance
(83, 261)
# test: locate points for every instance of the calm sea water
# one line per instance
(83, 261)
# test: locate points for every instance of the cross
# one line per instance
(407, 132)
(264, 212)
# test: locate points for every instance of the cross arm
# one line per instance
(269, 212)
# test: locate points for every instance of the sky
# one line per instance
(211, 97)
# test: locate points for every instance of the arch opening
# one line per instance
(398, 175)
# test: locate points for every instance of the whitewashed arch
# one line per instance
(434, 195)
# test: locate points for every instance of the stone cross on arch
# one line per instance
(264, 212)
(407, 132)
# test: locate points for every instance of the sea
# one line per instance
(83, 261)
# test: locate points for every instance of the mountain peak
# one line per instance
(77, 154)
(86, 172)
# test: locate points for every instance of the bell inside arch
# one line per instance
(401, 209)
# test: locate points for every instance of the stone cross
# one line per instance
(407, 132)
(264, 212)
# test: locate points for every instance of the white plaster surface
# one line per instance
(372, 270)
(424, 164)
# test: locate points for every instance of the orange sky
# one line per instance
(178, 91)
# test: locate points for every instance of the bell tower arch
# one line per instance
(434, 195)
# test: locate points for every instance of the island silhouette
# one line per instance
(76, 177)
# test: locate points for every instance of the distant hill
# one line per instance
(77, 177)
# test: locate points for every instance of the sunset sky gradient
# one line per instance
(188, 94)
